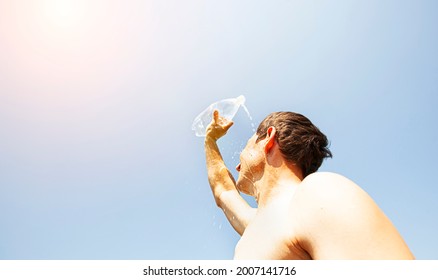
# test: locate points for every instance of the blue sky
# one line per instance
(97, 159)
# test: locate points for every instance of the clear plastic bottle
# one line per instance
(227, 108)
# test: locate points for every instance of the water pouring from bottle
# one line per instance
(227, 108)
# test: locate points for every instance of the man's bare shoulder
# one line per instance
(327, 179)
(330, 186)
(333, 194)
(340, 220)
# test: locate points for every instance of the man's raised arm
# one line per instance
(222, 183)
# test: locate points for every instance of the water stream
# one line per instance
(250, 118)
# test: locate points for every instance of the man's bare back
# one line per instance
(335, 225)
(301, 214)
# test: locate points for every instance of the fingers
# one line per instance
(215, 115)
(218, 120)
(218, 126)
(228, 125)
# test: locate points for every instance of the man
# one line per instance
(301, 214)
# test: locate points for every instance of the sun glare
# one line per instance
(62, 14)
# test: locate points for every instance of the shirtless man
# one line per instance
(301, 213)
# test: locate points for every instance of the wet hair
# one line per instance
(299, 140)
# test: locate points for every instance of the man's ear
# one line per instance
(270, 139)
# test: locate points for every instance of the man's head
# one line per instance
(300, 143)
(299, 140)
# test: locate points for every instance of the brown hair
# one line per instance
(300, 141)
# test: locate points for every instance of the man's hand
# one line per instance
(218, 127)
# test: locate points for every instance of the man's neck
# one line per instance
(274, 184)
